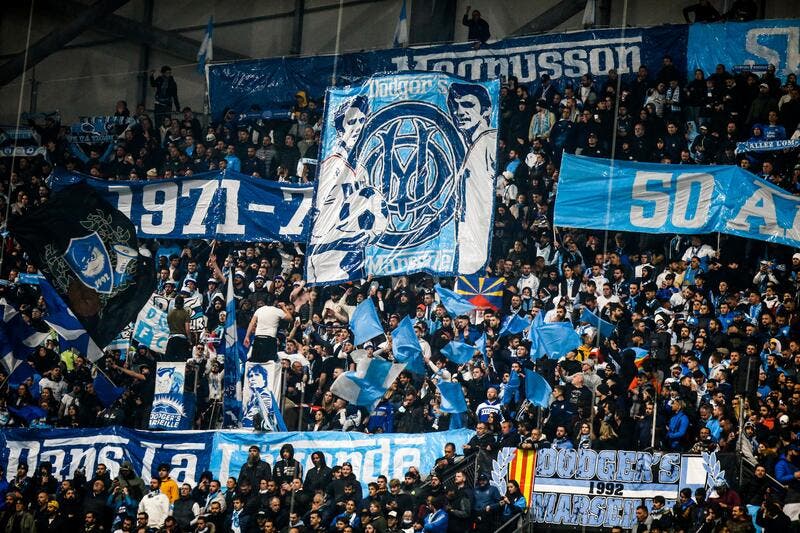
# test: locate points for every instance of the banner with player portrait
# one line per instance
(172, 409)
(406, 179)
(260, 397)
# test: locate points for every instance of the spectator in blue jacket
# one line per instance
(436, 522)
(678, 425)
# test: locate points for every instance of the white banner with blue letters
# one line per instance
(655, 198)
(227, 206)
(603, 488)
(222, 452)
(406, 179)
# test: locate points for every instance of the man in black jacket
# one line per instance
(255, 469)
(319, 476)
(478, 28)
(288, 468)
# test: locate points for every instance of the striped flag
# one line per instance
(641, 355)
(401, 29)
(482, 292)
(522, 470)
(206, 51)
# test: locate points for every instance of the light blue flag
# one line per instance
(459, 352)
(232, 373)
(368, 382)
(452, 302)
(553, 339)
(480, 345)
(513, 324)
(206, 51)
(606, 329)
(406, 348)
(511, 390)
(71, 332)
(537, 389)
(452, 397)
(365, 322)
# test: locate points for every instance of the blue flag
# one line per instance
(480, 345)
(605, 329)
(511, 390)
(107, 392)
(19, 373)
(513, 324)
(452, 397)
(234, 357)
(458, 352)
(551, 339)
(452, 302)
(28, 413)
(365, 322)
(401, 30)
(71, 332)
(406, 348)
(17, 342)
(537, 389)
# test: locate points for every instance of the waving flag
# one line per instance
(365, 322)
(553, 339)
(401, 29)
(406, 348)
(513, 324)
(522, 470)
(70, 331)
(17, 339)
(452, 302)
(368, 382)
(537, 389)
(107, 391)
(641, 355)
(452, 397)
(232, 373)
(206, 51)
(482, 292)
(606, 329)
(459, 352)
(511, 389)
(89, 253)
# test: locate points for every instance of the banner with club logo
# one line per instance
(170, 407)
(261, 395)
(406, 179)
(97, 133)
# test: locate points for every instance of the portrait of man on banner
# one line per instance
(261, 410)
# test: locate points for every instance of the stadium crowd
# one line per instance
(717, 316)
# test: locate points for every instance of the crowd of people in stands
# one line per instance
(717, 316)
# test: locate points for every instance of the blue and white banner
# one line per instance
(406, 182)
(170, 410)
(223, 453)
(767, 146)
(227, 206)
(260, 397)
(22, 151)
(565, 57)
(390, 454)
(602, 489)
(759, 43)
(654, 198)
(151, 328)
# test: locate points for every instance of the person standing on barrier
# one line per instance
(178, 347)
(265, 324)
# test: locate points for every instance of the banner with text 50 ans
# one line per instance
(227, 206)
(655, 198)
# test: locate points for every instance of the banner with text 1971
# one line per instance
(406, 182)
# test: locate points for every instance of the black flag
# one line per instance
(89, 252)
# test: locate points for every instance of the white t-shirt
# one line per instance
(267, 319)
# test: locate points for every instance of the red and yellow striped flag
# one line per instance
(522, 470)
